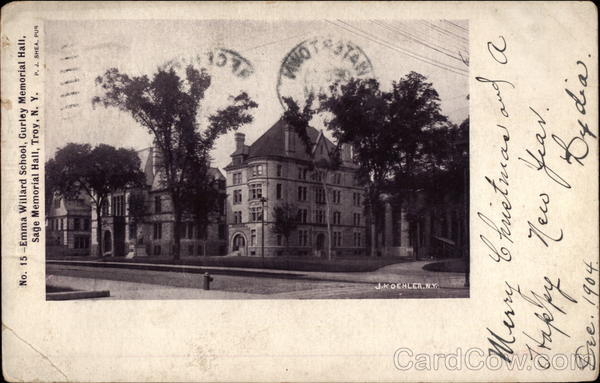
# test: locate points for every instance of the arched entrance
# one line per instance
(107, 243)
(239, 244)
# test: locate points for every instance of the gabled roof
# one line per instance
(272, 143)
(148, 157)
(216, 174)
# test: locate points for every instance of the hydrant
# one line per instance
(206, 279)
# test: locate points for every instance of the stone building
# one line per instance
(151, 234)
(68, 226)
(276, 170)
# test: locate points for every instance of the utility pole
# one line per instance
(262, 231)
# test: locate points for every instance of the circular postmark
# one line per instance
(217, 59)
(315, 64)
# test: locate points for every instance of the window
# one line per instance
(86, 224)
(157, 249)
(157, 232)
(237, 217)
(256, 170)
(118, 206)
(76, 224)
(337, 238)
(255, 191)
(320, 195)
(337, 196)
(82, 242)
(302, 172)
(278, 191)
(356, 219)
(356, 199)
(237, 197)
(255, 214)
(279, 170)
(157, 204)
(278, 239)
(302, 215)
(337, 178)
(62, 223)
(104, 208)
(357, 239)
(253, 237)
(237, 178)
(317, 176)
(302, 191)
(337, 217)
(319, 216)
(191, 250)
(192, 229)
(303, 237)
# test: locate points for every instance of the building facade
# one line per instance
(68, 226)
(150, 232)
(276, 170)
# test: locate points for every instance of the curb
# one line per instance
(68, 295)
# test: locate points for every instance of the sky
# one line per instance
(79, 51)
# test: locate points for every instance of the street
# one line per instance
(404, 280)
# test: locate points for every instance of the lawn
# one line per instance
(346, 264)
(456, 265)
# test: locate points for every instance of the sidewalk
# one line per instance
(134, 290)
(406, 272)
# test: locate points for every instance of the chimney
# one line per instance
(289, 140)
(239, 141)
(156, 157)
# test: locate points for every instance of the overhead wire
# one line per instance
(357, 31)
(418, 41)
(439, 44)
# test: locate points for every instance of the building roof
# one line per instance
(272, 143)
(149, 157)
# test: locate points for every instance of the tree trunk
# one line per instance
(327, 213)
(176, 230)
(373, 234)
(99, 230)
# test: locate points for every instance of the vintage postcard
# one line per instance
(300, 191)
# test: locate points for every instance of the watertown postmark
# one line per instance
(314, 64)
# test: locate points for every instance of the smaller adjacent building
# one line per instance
(150, 232)
(68, 226)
